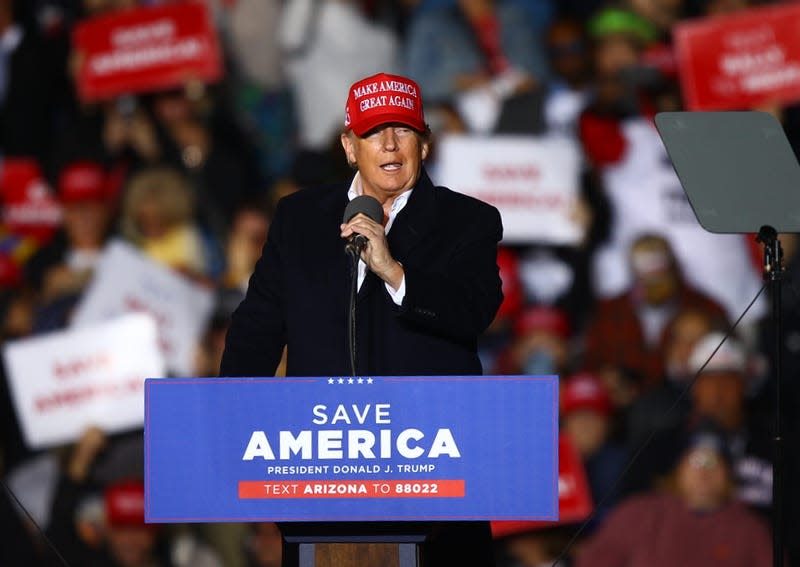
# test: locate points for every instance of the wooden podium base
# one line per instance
(358, 555)
(354, 544)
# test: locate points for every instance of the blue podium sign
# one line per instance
(351, 449)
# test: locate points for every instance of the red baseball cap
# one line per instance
(82, 181)
(542, 318)
(381, 99)
(584, 391)
(125, 503)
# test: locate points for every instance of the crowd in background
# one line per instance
(626, 317)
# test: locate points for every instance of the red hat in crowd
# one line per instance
(382, 99)
(542, 318)
(82, 181)
(124, 503)
(584, 391)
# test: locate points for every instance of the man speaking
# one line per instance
(427, 281)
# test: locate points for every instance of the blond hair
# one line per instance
(165, 185)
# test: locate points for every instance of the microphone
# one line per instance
(370, 207)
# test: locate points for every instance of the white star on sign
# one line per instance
(369, 380)
(330, 380)
(341, 380)
(349, 380)
(360, 380)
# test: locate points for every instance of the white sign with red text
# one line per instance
(127, 281)
(533, 181)
(64, 382)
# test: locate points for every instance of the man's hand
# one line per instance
(376, 254)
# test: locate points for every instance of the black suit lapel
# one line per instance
(415, 220)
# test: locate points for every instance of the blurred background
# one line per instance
(144, 146)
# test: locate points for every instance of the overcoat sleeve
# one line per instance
(459, 297)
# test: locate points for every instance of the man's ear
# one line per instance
(426, 146)
(349, 150)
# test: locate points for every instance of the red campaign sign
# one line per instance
(29, 207)
(574, 498)
(742, 60)
(146, 49)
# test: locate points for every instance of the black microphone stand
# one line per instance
(773, 275)
(354, 253)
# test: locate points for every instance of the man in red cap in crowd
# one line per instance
(428, 281)
(540, 343)
(97, 520)
(586, 419)
(64, 266)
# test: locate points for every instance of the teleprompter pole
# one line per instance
(773, 275)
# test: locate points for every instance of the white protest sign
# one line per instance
(533, 181)
(127, 281)
(64, 382)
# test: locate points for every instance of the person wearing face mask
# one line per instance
(540, 343)
(632, 330)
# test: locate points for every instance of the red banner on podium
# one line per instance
(742, 60)
(146, 49)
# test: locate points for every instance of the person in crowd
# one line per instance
(158, 216)
(200, 137)
(428, 279)
(540, 343)
(212, 344)
(699, 522)
(586, 419)
(631, 330)
(619, 40)
(719, 396)
(246, 239)
(500, 64)
(117, 536)
(568, 90)
(129, 133)
(64, 266)
(663, 408)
